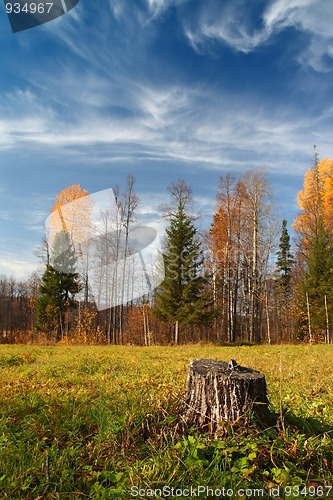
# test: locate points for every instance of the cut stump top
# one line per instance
(206, 367)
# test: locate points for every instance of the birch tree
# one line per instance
(129, 205)
(258, 241)
(226, 243)
(243, 233)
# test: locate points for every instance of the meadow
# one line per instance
(103, 423)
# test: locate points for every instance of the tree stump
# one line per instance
(219, 393)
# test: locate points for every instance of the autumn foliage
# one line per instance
(315, 252)
(260, 288)
(315, 201)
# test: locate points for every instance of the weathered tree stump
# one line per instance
(219, 393)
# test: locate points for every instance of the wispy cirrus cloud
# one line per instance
(169, 123)
(236, 25)
(101, 103)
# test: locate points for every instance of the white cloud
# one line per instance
(20, 269)
(98, 108)
(15, 263)
(232, 24)
(6, 215)
(229, 22)
(285, 12)
(150, 203)
(314, 17)
(156, 7)
(174, 123)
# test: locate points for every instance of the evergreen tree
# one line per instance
(180, 298)
(284, 264)
(317, 282)
(58, 288)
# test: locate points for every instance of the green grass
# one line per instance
(94, 422)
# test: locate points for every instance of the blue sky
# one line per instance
(160, 89)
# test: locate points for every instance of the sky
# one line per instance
(160, 89)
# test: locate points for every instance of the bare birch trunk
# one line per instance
(267, 318)
(177, 332)
(130, 202)
(309, 318)
(327, 323)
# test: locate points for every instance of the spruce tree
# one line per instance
(317, 282)
(59, 285)
(180, 298)
(284, 264)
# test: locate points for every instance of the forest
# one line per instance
(241, 281)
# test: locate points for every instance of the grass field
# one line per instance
(101, 422)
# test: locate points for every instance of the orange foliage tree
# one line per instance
(315, 202)
(72, 213)
(226, 248)
(241, 237)
(314, 225)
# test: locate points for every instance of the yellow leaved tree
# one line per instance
(72, 213)
(315, 202)
(315, 252)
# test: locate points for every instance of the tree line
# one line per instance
(240, 281)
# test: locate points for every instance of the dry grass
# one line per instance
(92, 422)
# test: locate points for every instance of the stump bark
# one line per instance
(219, 393)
